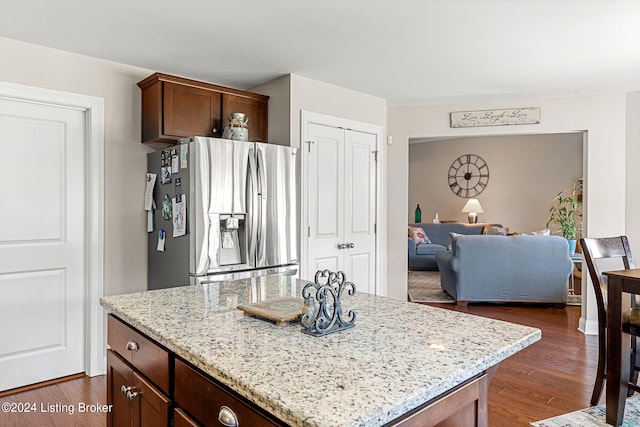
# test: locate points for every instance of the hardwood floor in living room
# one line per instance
(551, 377)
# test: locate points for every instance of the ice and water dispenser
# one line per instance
(233, 241)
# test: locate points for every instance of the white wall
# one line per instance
(324, 98)
(602, 117)
(525, 174)
(633, 173)
(125, 262)
(279, 124)
(293, 94)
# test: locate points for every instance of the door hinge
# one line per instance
(375, 228)
(309, 145)
(309, 231)
(375, 155)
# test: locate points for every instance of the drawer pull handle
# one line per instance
(132, 346)
(227, 417)
(124, 389)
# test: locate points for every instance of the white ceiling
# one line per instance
(406, 51)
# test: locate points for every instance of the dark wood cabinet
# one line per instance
(138, 378)
(176, 107)
(136, 402)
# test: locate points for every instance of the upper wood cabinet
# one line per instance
(175, 107)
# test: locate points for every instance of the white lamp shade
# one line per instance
(473, 205)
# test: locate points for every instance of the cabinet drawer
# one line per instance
(180, 419)
(141, 352)
(203, 400)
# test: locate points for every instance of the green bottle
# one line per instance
(418, 214)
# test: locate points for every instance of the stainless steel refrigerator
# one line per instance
(241, 212)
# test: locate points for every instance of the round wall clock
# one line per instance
(468, 175)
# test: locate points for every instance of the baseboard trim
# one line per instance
(41, 384)
(588, 327)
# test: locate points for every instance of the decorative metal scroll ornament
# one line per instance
(322, 312)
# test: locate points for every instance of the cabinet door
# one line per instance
(255, 111)
(118, 375)
(143, 405)
(180, 419)
(190, 111)
(150, 407)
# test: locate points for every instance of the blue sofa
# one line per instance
(422, 256)
(506, 269)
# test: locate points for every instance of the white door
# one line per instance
(42, 238)
(325, 195)
(341, 177)
(360, 209)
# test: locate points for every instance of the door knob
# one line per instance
(351, 245)
(342, 246)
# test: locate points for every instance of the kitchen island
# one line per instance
(401, 361)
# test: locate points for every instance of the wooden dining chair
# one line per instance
(600, 253)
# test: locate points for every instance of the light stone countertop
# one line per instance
(398, 356)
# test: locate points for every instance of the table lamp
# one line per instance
(473, 208)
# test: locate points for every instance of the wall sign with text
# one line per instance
(510, 116)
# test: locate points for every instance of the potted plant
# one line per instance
(566, 214)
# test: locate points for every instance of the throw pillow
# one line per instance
(493, 230)
(418, 235)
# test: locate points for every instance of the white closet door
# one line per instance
(359, 210)
(341, 204)
(325, 195)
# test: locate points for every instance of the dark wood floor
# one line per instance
(56, 405)
(551, 377)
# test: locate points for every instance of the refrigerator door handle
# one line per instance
(262, 208)
(253, 208)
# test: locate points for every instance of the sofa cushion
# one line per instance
(429, 249)
(418, 235)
